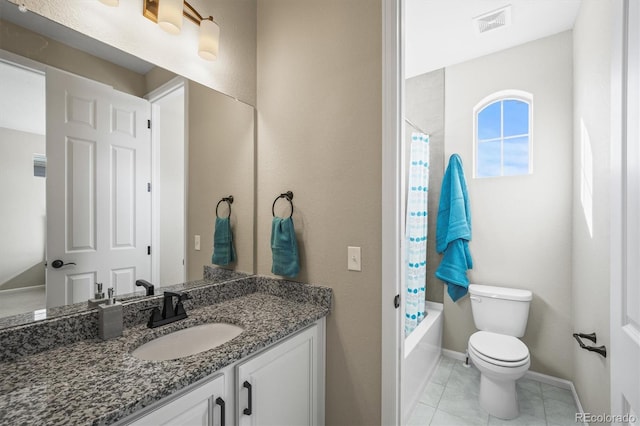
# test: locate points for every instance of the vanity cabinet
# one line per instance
(281, 385)
(206, 405)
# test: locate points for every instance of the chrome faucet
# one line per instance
(170, 313)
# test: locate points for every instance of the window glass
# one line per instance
(516, 117)
(516, 156)
(489, 159)
(503, 136)
(489, 122)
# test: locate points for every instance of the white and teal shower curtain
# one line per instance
(416, 232)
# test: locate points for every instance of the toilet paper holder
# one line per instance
(602, 350)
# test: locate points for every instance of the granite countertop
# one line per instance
(99, 382)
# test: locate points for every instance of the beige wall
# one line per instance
(319, 135)
(221, 163)
(522, 224)
(24, 42)
(591, 264)
(156, 77)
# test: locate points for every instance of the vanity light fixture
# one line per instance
(169, 13)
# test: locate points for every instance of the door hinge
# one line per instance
(148, 186)
(148, 124)
(149, 250)
(396, 301)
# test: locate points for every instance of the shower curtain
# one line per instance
(416, 232)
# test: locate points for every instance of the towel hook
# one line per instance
(602, 350)
(289, 196)
(229, 201)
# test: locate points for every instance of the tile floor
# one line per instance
(451, 399)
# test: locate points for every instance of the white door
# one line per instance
(625, 235)
(98, 204)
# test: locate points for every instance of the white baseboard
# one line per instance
(549, 380)
(538, 377)
(20, 289)
(454, 355)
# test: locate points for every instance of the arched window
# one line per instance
(502, 134)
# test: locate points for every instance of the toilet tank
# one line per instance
(500, 309)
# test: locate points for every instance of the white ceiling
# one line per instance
(439, 33)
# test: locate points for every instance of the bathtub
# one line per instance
(422, 350)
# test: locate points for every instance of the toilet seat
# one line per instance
(499, 349)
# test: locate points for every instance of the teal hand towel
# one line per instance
(453, 268)
(223, 251)
(284, 248)
(453, 230)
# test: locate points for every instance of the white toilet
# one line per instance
(501, 315)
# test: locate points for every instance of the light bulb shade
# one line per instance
(170, 15)
(112, 3)
(209, 40)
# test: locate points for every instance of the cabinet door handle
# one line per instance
(220, 402)
(247, 385)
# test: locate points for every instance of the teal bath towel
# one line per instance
(284, 248)
(453, 230)
(223, 250)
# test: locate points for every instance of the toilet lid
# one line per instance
(499, 347)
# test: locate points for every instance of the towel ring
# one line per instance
(289, 196)
(229, 201)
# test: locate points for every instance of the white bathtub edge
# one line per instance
(434, 311)
(421, 361)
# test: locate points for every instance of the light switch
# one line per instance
(196, 242)
(354, 262)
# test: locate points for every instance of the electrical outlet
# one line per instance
(354, 262)
(196, 242)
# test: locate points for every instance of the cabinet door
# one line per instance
(202, 406)
(280, 386)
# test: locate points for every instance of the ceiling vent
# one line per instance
(492, 20)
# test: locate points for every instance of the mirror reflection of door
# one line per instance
(98, 189)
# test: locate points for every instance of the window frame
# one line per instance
(501, 96)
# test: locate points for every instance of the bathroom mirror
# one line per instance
(202, 149)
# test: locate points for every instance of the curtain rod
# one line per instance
(414, 126)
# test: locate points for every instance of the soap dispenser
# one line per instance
(98, 298)
(110, 318)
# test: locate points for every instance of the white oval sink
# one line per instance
(188, 341)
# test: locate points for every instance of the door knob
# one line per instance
(59, 263)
